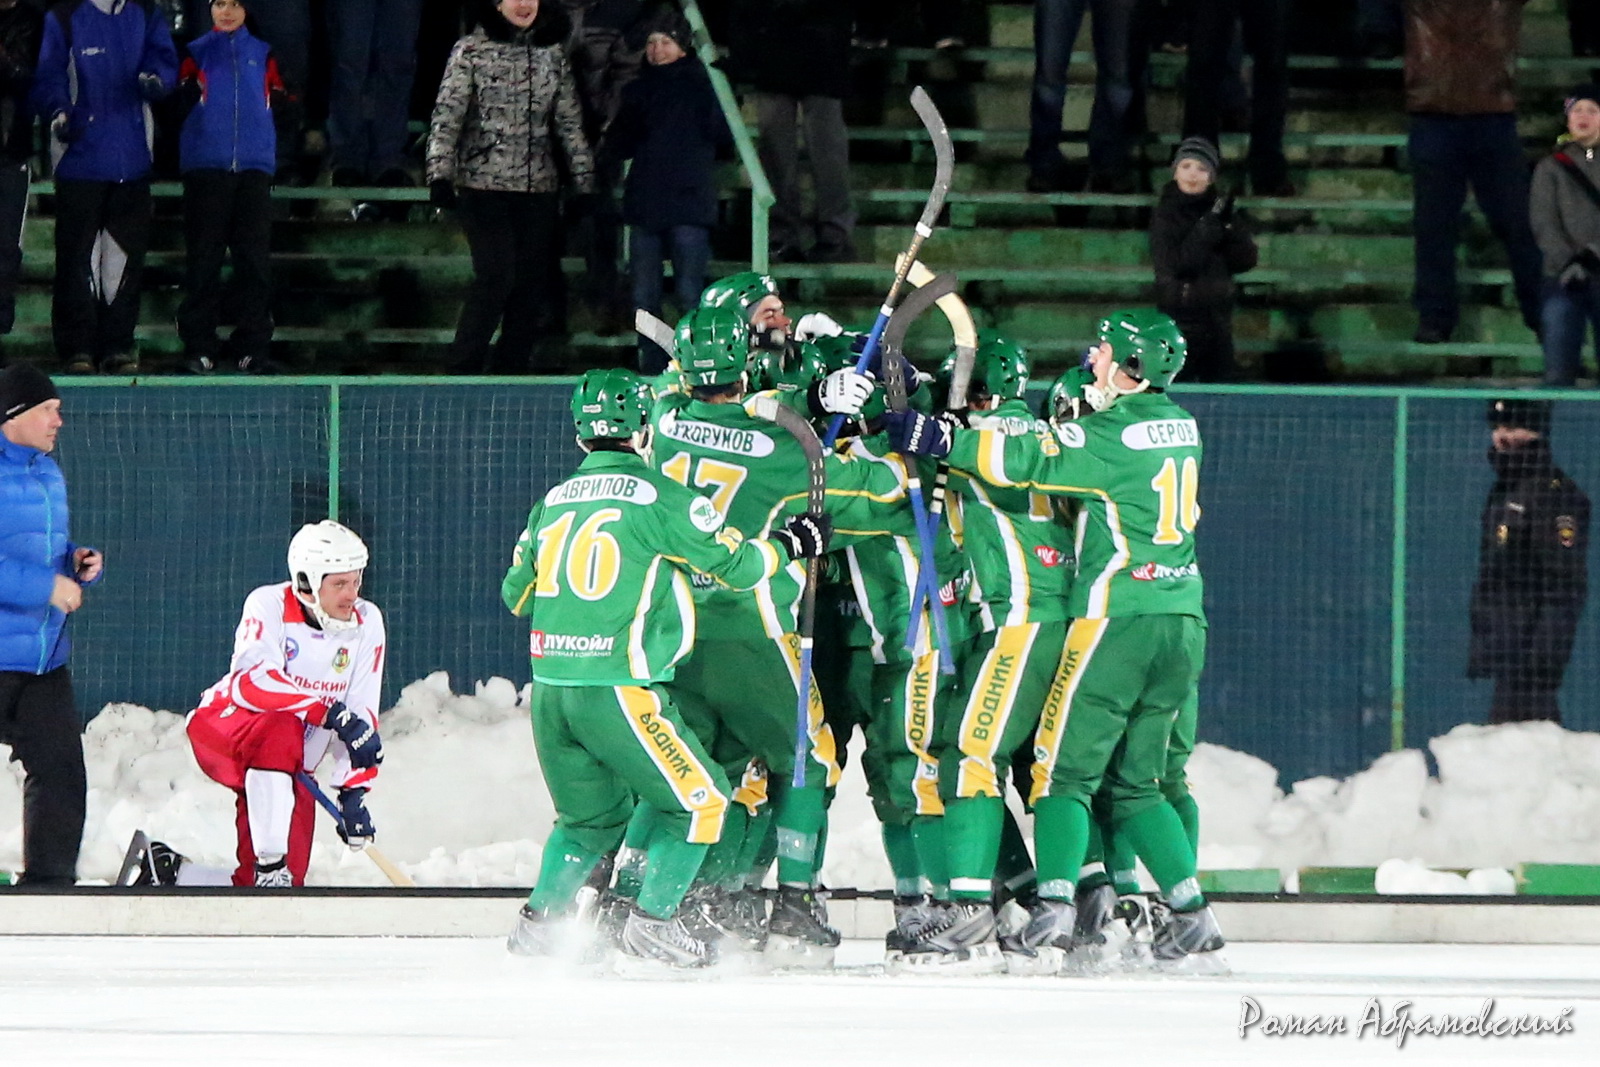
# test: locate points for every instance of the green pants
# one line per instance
(600, 748)
(1007, 676)
(902, 777)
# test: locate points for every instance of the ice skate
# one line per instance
(568, 939)
(798, 934)
(912, 916)
(1021, 958)
(1188, 942)
(611, 918)
(711, 914)
(748, 916)
(148, 863)
(1097, 934)
(1133, 912)
(664, 941)
(962, 941)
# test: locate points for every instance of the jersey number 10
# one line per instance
(1179, 500)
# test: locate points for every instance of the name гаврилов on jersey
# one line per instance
(603, 487)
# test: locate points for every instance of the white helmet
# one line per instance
(318, 550)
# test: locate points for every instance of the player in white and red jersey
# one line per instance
(304, 683)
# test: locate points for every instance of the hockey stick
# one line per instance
(944, 155)
(894, 383)
(773, 410)
(653, 329)
(965, 333)
(393, 873)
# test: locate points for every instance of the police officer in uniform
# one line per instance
(1532, 567)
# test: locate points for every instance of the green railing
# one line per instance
(761, 198)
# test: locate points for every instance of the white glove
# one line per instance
(815, 325)
(844, 392)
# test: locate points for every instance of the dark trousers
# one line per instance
(828, 150)
(1209, 332)
(690, 251)
(1516, 701)
(513, 239)
(1567, 316)
(1449, 153)
(13, 210)
(102, 232)
(940, 19)
(1266, 39)
(374, 46)
(1055, 28)
(226, 212)
(39, 720)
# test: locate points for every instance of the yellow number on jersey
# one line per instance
(594, 562)
(1179, 499)
(724, 479)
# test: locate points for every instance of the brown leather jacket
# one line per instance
(1461, 56)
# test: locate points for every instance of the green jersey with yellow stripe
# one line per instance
(1019, 553)
(600, 572)
(1136, 466)
(756, 474)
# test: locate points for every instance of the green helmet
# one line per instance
(999, 369)
(1145, 344)
(1058, 405)
(609, 403)
(787, 371)
(743, 290)
(713, 346)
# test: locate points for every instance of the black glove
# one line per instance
(358, 735)
(442, 194)
(355, 824)
(805, 536)
(151, 87)
(1223, 208)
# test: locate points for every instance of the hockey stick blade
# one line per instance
(653, 329)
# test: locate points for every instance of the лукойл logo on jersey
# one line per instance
(570, 646)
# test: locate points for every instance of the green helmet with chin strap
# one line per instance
(713, 346)
(609, 403)
(1145, 344)
(787, 370)
(1000, 368)
(743, 291)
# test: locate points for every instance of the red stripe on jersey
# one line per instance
(293, 610)
(264, 688)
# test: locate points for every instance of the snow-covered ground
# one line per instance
(178, 1001)
(460, 803)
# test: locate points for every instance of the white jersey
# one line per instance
(284, 664)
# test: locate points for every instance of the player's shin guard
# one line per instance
(928, 832)
(1060, 838)
(972, 827)
(800, 815)
(1156, 833)
(673, 863)
(562, 872)
(900, 846)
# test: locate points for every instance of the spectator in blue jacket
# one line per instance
(227, 152)
(20, 29)
(101, 64)
(671, 126)
(42, 574)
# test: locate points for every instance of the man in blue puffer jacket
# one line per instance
(42, 574)
(228, 153)
(101, 64)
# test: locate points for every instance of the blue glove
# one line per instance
(912, 433)
(358, 735)
(355, 825)
(151, 87)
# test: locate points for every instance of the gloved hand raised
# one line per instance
(844, 392)
(912, 433)
(358, 735)
(805, 536)
(355, 824)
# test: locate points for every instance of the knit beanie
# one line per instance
(24, 386)
(1520, 414)
(670, 21)
(1587, 91)
(1201, 149)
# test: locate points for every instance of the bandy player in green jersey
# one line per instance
(1134, 653)
(600, 575)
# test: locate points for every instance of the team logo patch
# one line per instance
(1567, 530)
(1152, 572)
(536, 644)
(698, 797)
(1071, 435)
(947, 593)
(341, 660)
(1050, 557)
(291, 649)
(705, 516)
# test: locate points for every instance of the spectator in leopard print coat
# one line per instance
(507, 107)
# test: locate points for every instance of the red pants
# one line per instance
(227, 742)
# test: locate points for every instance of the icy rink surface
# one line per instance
(466, 1001)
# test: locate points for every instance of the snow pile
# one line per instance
(461, 802)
